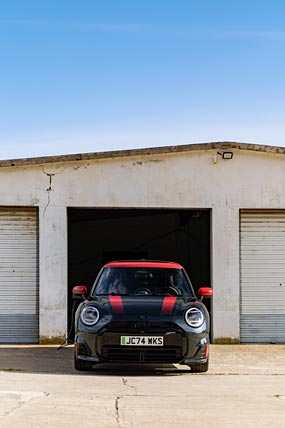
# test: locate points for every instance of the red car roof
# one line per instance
(150, 264)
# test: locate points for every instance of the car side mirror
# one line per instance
(79, 292)
(205, 292)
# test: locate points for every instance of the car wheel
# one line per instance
(82, 366)
(200, 367)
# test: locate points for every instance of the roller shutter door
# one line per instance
(262, 262)
(19, 309)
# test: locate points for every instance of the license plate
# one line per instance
(142, 340)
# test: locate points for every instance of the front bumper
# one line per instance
(178, 347)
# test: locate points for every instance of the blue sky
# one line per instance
(93, 75)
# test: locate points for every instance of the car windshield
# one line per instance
(143, 281)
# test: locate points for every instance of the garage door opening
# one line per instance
(96, 236)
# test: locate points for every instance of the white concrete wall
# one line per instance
(53, 272)
(185, 180)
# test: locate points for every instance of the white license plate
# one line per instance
(142, 340)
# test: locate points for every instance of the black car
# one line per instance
(141, 312)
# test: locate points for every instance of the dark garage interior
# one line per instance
(96, 236)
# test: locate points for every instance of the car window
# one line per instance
(143, 280)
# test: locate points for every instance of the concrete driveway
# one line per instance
(245, 387)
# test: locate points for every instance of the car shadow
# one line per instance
(51, 360)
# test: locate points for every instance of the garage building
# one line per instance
(217, 208)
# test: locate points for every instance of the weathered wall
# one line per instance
(185, 180)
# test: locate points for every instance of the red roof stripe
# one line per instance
(165, 265)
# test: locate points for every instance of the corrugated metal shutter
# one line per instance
(262, 262)
(19, 308)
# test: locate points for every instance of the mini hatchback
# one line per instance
(142, 312)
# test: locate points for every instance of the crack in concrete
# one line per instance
(50, 175)
(12, 409)
(50, 182)
(23, 398)
(117, 412)
(49, 189)
(48, 202)
(126, 383)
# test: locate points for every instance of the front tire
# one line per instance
(200, 367)
(82, 366)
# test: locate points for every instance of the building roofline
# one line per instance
(220, 145)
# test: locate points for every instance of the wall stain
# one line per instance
(53, 340)
(226, 341)
(140, 163)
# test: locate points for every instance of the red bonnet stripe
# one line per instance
(168, 305)
(117, 304)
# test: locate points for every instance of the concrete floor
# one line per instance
(245, 387)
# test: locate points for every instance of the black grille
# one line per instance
(137, 325)
(139, 355)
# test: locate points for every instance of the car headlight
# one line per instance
(194, 317)
(89, 315)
